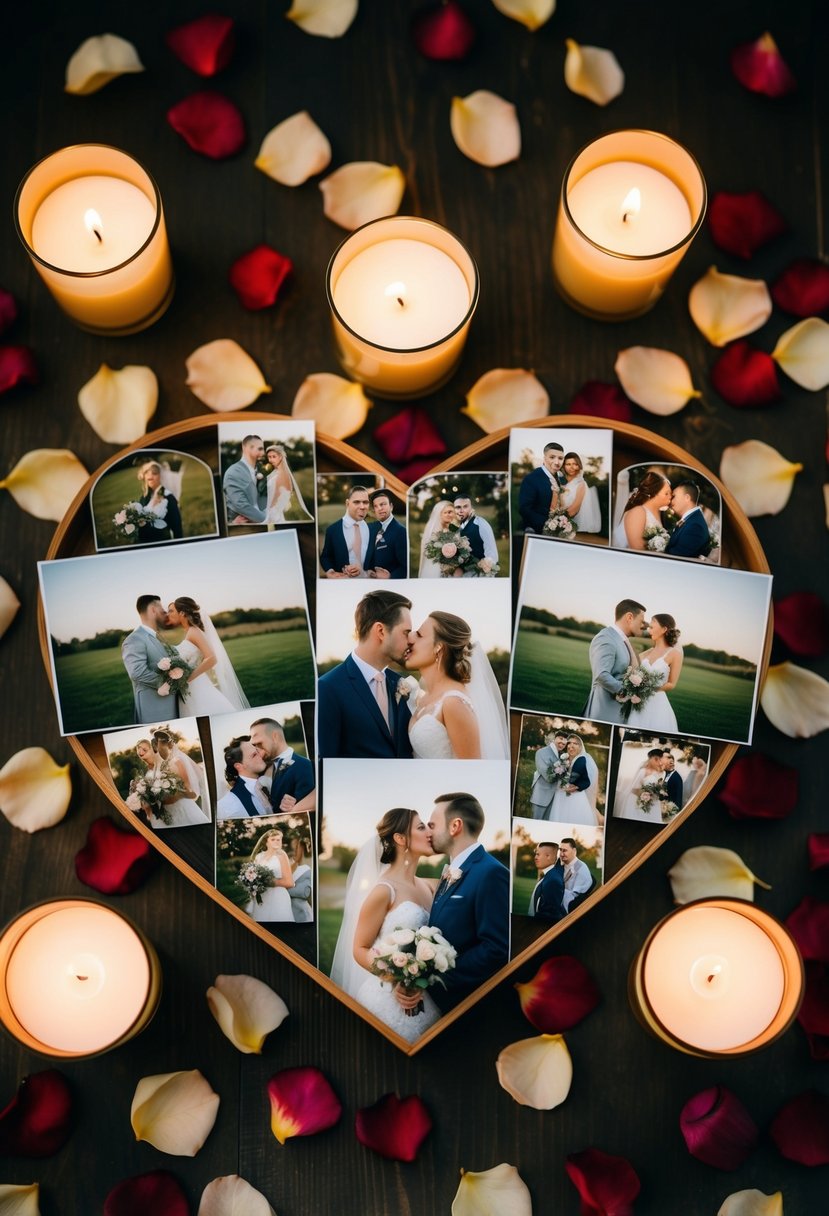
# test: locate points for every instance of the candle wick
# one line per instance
(625, 217)
(98, 235)
(81, 977)
(711, 978)
(400, 302)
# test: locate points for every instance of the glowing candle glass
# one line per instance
(91, 220)
(631, 203)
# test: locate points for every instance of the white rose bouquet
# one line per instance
(415, 958)
(153, 791)
(173, 676)
(559, 524)
(656, 538)
(638, 686)
(451, 551)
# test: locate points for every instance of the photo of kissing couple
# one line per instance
(667, 509)
(261, 762)
(657, 777)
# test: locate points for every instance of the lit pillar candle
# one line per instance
(402, 293)
(717, 977)
(91, 220)
(76, 978)
(631, 203)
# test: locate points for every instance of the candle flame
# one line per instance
(396, 291)
(631, 205)
(94, 224)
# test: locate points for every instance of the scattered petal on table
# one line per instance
(758, 476)
(246, 1009)
(205, 45)
(415, 469)
(99, 60)
(531, 13)
(8, 310)
(745, 376)
(706, 871)
(324, 18)
(500, 1191)
(742, 223)
(34, 791)
(210, 123)
(795, 700)
(174, 1111)
(224, 376)
(294, 150)
(154, 1194)
(803, 353)
(599, 400)
(818, 846)
(658, 380)
(607, 1185)
(9, 605)
(409, 434)
(813, 1014)
(37, 1122)
(394, 1127)
(119, 404)
(800, 1129)
(233, 1196)
(760, 67)
(258, 275)
(44, 482)
(803, 288)
(801, 620)
(752, 1203)
(362, 191)
(727, 306)
(443, 31)
(593, 72)
(302, 1103)
(338, 406)
(561, 993)
(19, 1200)
(536, 1072)
(506, 397)
(486, 128)
(717, 1128)
(114, 861)
(757, 787)
(17, 366)
(808, 924)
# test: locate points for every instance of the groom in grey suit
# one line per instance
(611, 653)
(242, 486)
(140, 653)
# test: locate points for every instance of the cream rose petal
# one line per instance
(536, 1072)
(758, 476)
(233, 1196)
(532, 13)
(486, 128)
(174, 1111)
(658, 380)
(727, 306)
(44, 482)
(34, 791)
(338, 406)
(500, 1191)
(593, 72)
(803, 353)
(752, 1203)
(9, 604)
(706, 871)
(324, 18)
(19, 1200)
(224, 376)
(362, 191)
(795, 700)
(119, 404)
(294, 150)
(246, 1009)
(505, 397)
(99, 60)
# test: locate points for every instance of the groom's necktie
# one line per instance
(634, 657)
(357, 544)
(381, 695)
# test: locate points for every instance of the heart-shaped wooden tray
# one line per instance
(192, 851)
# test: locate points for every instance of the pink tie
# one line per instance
(357, 545)
(381, 696)
(634, 657)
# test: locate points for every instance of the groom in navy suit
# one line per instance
(539, 489)
(391, 544)
(690, 537)
(348, 547)
(672, 780)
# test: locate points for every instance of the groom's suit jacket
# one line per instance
(241, 494)
(690, 538)
(335, 550)
(534, 499)
(391, 549)
(673, 787)
(349, 721)
(543, 791)
(609, 657)
(296, 779)
(140, 652)
(548, 894)
(472, 913)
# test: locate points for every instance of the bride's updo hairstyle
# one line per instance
(161, 736)
(455, 636)
(189, 609)
(669, 625)
(275, 447)
(394, 822)
(648, 488)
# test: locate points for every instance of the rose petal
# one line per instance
(8, 310)
(803, 353)
(536, 1072)
(745, 376)
(707, 871)
(808, 924)
(505, 397)
(155, 1194)
(324, 18)
(561, 993)
(758, 476)
(246, 1009)
(800, 1129)
(818, 845)
(607, 1185)
(757, 787)
(119, 404)
(338, 406)
(658, 380)
(742, 223)
(803, 288)
(302, 1103)
(34, 791)
(224, 376)
(114, 861)
(500, 1191)
(19, 1200)
(409, 434)
(443, 31)
(394, 1127)
(415, 469)
(9, 604)
(598, 400)
(592, 72)
(209, 123)
(204, 45)
(257, 276)
(727, 306)
(294, 150)
(717, 1128)
(174, 1111)
(795, 700)
(813, 1014)
(752, 1203)
(531, 13)
(99, 60)
(17, 366)
(801, 621)
(38, 1120)
(362, 191)
(760, 67)
(233, 1196)
(485, 128)
(45, 481)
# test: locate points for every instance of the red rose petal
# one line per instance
(8, 309)
(757, 787)
(17, 366)
(209, 123)
(257, 276)
(813, 1015)
(800, 1129)
(809, 926)
(818, 850)
(394, 1127)
(560, 994)
(745, 376)
(607, 1185)
(599, 400)
(801, 620)
(717, 1128)
(760, 67)
(409, 434)
(412, 472)
(742, 223)
(154, 1194)
(38, 1120)
(302, 1103)
(114, 861)
(204, 45)
(443, 31)
(803, 288)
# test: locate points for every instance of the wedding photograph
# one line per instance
(152, 497)
(361, 528)
(555, 866)
(668, 509)
(196, 629)
(674, 647)
(159, 772)
(267, 473)
(657, 777)
(260, 762)
(384, 891)
(459, 526)
(265, 866)
(560, 482)
(563, 768)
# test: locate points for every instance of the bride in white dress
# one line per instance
(282, 486)
(664, 657)
(384, 893)
(443, 517)
(201, 647)
(577, 806)
(577, 498)
(652, 771)
(641, 511)
(184, 811)
(457, 712)
(276, 900)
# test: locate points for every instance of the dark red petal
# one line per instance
(607, 1185)
(443, 31)
(302, 1103)
(809, 926)
(154, 1194)
(803, 288)
(599, 400)
(114, 861)
(204, 45)
(257, 276)
(742, 223)
(744, 376)
(209, 123)
(717, 1128)
(17, 366)
(818, 850)
(800, 1129)
(801, 620)
(814, 1012)
(760, 67)
(412, 472)
(394, 1127)
(757, 787)
(8, 309)
(409, 434)
(38, 1120)
(560, 994)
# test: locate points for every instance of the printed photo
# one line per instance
(560, 482)
(563, 767)
(261, 762)
(159, 772)
(266, 866)
(459, 526)
(153, 496)
(668, 509)
(359, 526)
(658, 777)
(555, 867)
(267, 471)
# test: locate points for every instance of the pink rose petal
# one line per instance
(801, 621)
(757, 787)
(717, 1128)
(210, 124)
(443, 31)
(409, 434)
(607, 1185)
(17, 366)
(800, 1129)
(204, 45)
(803, 288)
(760, 67)
(38, 1120)
(599, 400)
(809, 926)
(561, 993)
(302, 1103)
(8, 310)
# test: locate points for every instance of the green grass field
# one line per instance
(198, 513)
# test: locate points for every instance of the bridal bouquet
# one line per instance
(656, 538)
(450, 550)
(174, 673)
(561, 525)
(133, 516)
(638, 686)
(651, 795)
(154, 790)
(558, 771)
(254, 880)
(415, 958)
(486, 568)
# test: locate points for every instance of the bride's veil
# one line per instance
(366, 869)
(432, 526)
(485, 695)
(622, 496)
(226, 680)
(172, 480)
(195, 775)
(300, 501)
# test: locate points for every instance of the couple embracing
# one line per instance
(629, 688)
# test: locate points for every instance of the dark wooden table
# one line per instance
(377, 99)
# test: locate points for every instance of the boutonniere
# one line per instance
(287, 763)
(405, 688)
(453, 874)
